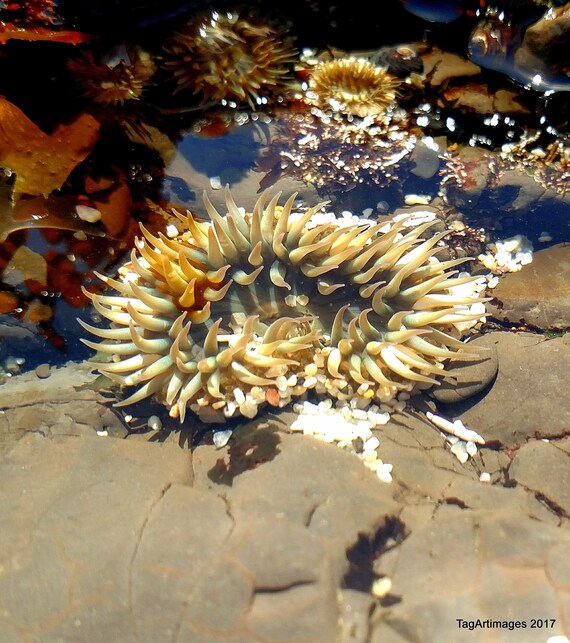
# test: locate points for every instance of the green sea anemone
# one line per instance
(121, 75)
(224, 56)
(352, 86)
(249, 308)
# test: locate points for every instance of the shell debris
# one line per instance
(346, 426)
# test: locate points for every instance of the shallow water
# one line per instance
(194, 149)
(244, 533)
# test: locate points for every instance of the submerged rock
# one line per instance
(539, 294)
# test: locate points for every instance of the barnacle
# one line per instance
(259, 307)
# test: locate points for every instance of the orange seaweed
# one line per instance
(12, 32)
(8, 302)
(42, 162)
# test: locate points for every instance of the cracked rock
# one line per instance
(529, 466)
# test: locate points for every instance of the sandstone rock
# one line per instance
(546, 41)
(529, 466)
(465, 379)
(539, 294)
(73, 510)
(272, 537)
(63, 404)
(499, 577)
(524, 401)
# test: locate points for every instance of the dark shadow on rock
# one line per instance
(366, 550)
(248, 448)
(455, 409)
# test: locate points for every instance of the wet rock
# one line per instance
(500, 577)
(73, 512)
(546, 43)
(424, 468)
(524, 401)
(539, 294)
(478, 98)
(465, 379)
(530, 464)
(527, 194)
(273, 536)
(441, 66)
(64, 404)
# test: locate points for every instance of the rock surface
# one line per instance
(526, 400)
(275, 536)
(465, 379)
(539, 294)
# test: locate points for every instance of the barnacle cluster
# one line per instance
(341, 154)
(549, 164)
(222, 56)
(118, 76)
(352, 86)
(255, 308)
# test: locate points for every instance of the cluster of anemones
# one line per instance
(255, 308)
(352, 86)
(120, 75)
(223, 56)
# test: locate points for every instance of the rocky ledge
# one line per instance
(114, 534)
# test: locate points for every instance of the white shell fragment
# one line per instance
(381, 587)
(86, 213)
(456, 428)
(221, 438)
(215, 183)
(154, 423)
(507, 255)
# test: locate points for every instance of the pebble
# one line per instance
(221, 438)
(458, 450)
(215, 183)
(172, 231)
(86, 213)
(43, 371)
(13, 365)
(545, 237)
(381, 587)
(417, 199)
(154, 423)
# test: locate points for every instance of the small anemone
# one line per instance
(249, 308)
(223, 56)
(352, 86)
(121, 75)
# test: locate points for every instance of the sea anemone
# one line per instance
(352, 86)
(119, 76)
(224, 56)
(253, 308)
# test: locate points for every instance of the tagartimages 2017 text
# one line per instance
(488, 624)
